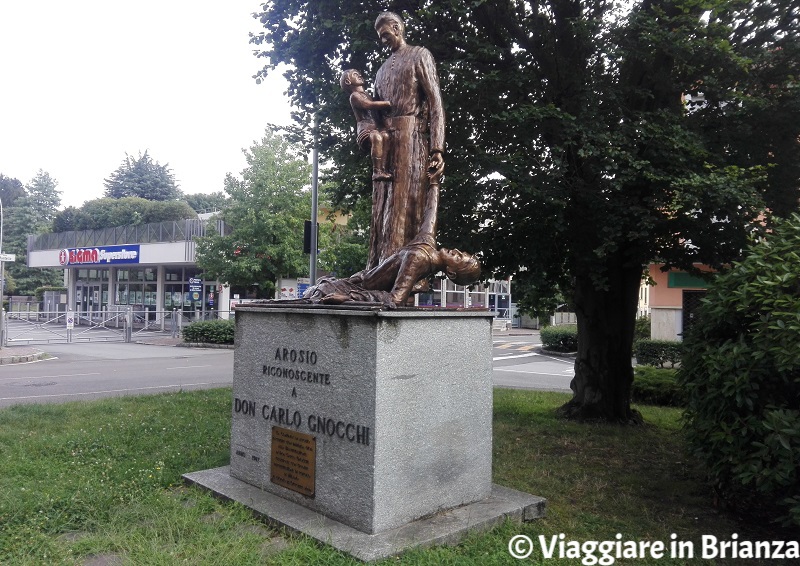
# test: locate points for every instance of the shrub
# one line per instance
(657, 352)
(656, 386)
(209, 332)
(562, 338)
(642, 329)
(741, 374)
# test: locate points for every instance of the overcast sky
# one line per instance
(85, 81)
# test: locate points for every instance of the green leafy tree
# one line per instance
(71, 218)
(142, 177)
(127, 211)
(31, 213)
(267, 208)
(207, 202)
(10, 190)
(42, 195)
(584, 140)
(344, 247)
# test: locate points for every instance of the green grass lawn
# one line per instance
(102, 481)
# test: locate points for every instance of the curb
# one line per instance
(559, 354)
(205, 345)
(23, 359)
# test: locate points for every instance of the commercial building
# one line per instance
(149, 268)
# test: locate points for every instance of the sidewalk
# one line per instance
(515, 332)
(178, 341)
(159, 340)
(20, 354)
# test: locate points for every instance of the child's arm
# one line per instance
(364, 102)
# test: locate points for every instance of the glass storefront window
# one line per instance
(150, 295)
(476, 299)
(92, 275)
(173, 274)
(122, 294)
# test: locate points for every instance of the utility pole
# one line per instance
(314, 206)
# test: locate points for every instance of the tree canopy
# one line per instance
(584, 139)
(267, 207)
(10, 190)
(31, 212)
(207, 202)
(109, 212)
(142, 177)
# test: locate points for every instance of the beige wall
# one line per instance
(665, 323)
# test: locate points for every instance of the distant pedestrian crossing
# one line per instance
(517, 346)
(503, 349)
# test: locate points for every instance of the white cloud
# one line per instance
(85, 82)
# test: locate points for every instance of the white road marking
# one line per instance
(113, 391)
(511, 357)
(49, 376)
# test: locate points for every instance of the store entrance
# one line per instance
(88, 301)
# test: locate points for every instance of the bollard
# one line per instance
(129, 325)
(174, 323)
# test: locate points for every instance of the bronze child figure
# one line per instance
(369, 135)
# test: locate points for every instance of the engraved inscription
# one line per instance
(294, 371)
(299, 356)
(294, 460)
(297, 374)
(281, 415)
(244, 407)
(325, 425)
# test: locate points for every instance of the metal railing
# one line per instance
(172, 231)
(123, 324)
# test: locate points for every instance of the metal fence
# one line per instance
(172, 231)
(123, 324)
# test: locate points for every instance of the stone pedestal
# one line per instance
(372, 418)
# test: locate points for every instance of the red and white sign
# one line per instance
(105, 254)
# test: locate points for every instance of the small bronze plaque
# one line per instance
(294, 460)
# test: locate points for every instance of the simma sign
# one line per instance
(100, 255)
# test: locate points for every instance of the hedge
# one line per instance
(209, 332)
(561, 338)
(657, 353)
(657, 386)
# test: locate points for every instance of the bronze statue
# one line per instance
(404, 126)
(409, 82)
(369, 136)
(392, 282)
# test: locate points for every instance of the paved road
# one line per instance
(103, 369)
(93, 370)
(518, 363)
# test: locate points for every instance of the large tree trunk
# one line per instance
(603, 368)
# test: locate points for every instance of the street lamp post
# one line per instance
(314, 207)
